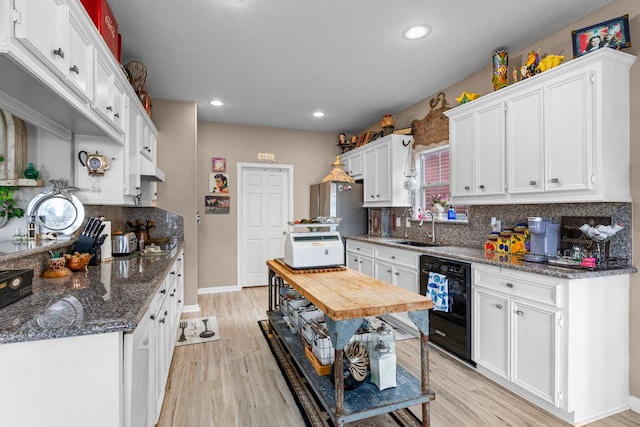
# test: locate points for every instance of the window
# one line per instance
(435, 171)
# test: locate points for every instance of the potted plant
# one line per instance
(8, 207)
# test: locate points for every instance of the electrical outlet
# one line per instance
(408, 223)
(398, 222)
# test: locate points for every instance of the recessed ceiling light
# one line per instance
(318, 114)
(217, 103)
(416, 32)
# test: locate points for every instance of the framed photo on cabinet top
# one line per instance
(613, 33)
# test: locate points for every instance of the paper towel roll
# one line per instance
(106, 246)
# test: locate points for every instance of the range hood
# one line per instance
(150, 172)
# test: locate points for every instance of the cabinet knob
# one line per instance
(163, 291)
(173, 272)
(397, 274)
(393, 257)
(388, 271)
(59, 52)
(519, 312)
(153, 317)
(179, 275)
(116, 115)
(172, 294)
(109, 108)
(499, 306)
(466, 187)
(162, 320)
(75, 69)
(481, 187)
(532, 183)
(509, 285)
(555, 180)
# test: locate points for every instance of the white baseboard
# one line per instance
(218, 289)
(195, 308)
(634, 404)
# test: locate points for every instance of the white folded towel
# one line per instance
(438, 291)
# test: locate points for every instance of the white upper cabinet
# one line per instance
(81, 59)
(59, 75)
(384, 163)
(41, 26)
(352, 161)
(560, 136)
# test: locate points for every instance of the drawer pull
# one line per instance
(481, 187)
(532, 183)
(499, 306)
(555, 180)
(109, 108)
(75, 69)
(163, 291)
(440, 333)
(466, 187)
(59, 52)
(393, 257)
(520, 312)
(397, 274)
(509, 285)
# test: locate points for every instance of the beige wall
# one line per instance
(311, 153)
(177, 144)
(560, 43)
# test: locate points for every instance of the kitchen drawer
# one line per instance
(397, 256)
(159, 296)
(361, 248)
(518, 284)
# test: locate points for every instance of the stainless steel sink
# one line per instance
(414, 243)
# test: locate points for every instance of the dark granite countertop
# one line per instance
(111, 297)
(501, 260)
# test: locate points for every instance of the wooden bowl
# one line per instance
(78, 262)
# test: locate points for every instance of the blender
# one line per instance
(544, 239)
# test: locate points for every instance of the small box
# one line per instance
(319, 368)
(14, 285)
(101, 15)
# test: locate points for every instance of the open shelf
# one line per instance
(365, 401)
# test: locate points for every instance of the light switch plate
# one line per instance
(408, 223)
(398, 222)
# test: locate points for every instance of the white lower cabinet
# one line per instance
(360, 257)
(556, 342)
(150, 349)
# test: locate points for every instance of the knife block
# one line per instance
(83, 245)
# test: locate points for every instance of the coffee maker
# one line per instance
(544, 239)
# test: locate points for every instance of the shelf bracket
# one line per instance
(421, 320)
(341, 331)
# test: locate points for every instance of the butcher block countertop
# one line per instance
(348, 294)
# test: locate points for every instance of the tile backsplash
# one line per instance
(473, 233)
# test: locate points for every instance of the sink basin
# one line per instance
(414, 243)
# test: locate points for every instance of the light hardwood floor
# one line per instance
(236, 382)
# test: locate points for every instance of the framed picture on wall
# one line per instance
(218, 183)
(217, 204)
(218, 164)
(613, 33)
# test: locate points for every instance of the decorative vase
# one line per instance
(438, 211)
(355, 366)
(500, 69)
(30, 172)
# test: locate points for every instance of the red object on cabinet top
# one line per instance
(101, 15)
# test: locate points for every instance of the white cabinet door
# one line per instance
(132, 159)
(104, 93)
(383, 271)
(491, 332)
(568, 133)
(490, 150)
(525, 143)
(377, 185)
(41, 26)
(406, 278)
(120, 107)
(353, 164)
(535, 350)
(365, 265)
(81, 60)
(461, 131)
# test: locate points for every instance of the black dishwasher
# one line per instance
(450, 329)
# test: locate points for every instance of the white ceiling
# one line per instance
(274, 62)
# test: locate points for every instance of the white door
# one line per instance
(266, 204)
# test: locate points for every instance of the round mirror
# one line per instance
(57, 213)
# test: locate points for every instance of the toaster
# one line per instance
(123, 244)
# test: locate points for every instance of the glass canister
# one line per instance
(504, 241)
(383, 358)
(491, 244)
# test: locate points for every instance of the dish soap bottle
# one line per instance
(451, 214)
(30, 172)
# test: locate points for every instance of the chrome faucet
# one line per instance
(432, 236)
